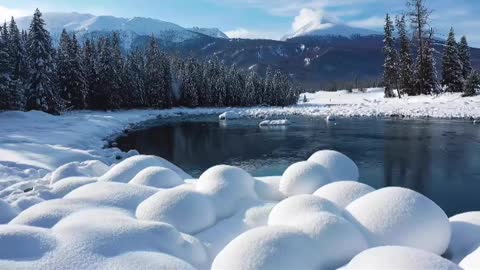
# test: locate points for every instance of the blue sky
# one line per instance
(262, 18)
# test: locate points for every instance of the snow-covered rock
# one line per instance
(90, 168)
(303, 177)
(188, 211)
(465, 235)
(399, 216)
(471, 261)
(342, 193)
(267, 188)
(126, 170)
(292, 209)
(271, 247)
(228, 187)
(66, 185)
(7, 213)
(399, 258)
(113, 194)
(158, 177)
(339, 165)
(229, 115)
(267, 123)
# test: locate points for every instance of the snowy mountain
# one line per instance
(211, 32)
(87, 23)
(329, 28)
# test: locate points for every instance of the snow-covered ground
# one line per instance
(71, 204)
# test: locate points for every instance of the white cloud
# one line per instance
(252, 34)
(310, 19)
(371, 22)
(7, 13)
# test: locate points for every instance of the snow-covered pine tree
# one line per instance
(390, 72)
(154, 76)
(136, 78)
(220, 87)
(473, 84)
(101, 97)
(464, 54)
(267, 96)
(166, 73)
(63, 67)
(189, 87)
(119, 92)
(77, 84)
(429, 74)
(405, 62)
(88, 63)
(253, 88)
(7, 89)
(452, 67)
(41, 93)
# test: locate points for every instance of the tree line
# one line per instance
(97, 74)
(419, 76)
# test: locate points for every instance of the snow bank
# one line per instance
(271, 247)
(228, 186)
(303, 178)
(127, 169)
(24, 243)
(113, 194)
(295, 208)
(90, 168)
(267, 123)
(268, 188)
(399, 258)
(344, 192)
(145, 260)
(472, 261)
(7, 213)
(158, 177)
(399, 216)
(187, 210)
(230, 115)
(338, 165)
(66, 185)
(465, 235)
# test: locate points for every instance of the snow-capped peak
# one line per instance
(212, 32)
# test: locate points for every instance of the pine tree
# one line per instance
(41, 93)
(189, 83)
(78, 85)
(158, 77)
(63, 67)
(452, 67)
(89, 56)
(473, 84)
(136, 78)
(119, 92)
(267, 95)
(390, 66)
(7, 89)
(464, 54)
(405, 62)
(431, 84)
(103, 96)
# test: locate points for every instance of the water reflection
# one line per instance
(437, 158)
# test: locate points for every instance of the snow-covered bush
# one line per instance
(342, 193)
(303, 177)
(338, 165)
(158, 177)
(399, 216)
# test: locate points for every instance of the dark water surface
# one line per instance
(439, 158)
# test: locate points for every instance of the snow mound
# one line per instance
(230, 115)
(113, 194)
(7, 213)
(472, 261)
(293, 209)
(267, 123)
(127, 169)
(158, 177)
(145, 260)
(303, 177)
(19, 242)
(228, 187)
(399, 216)
(91, 168)
(48, 213)
(339, 165)
(344, 192)
(399, 258)
(187, 210)
(336, 240)
(66, 185)
(465, 235)
(110, 233)
(23, 203)
(271, 247)
(267, 188)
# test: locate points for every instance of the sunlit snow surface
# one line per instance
(67, 203)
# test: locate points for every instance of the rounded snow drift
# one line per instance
(465, 235)
(127, 169)
(339, 166)
(267, 188)
(67, 185)
(293, 209)
(19, 242)
(145, 260)
(7, 213)
(303, 178)
(228, 186)
(188, 211)
(471, 261)
(399, 258)
(271, 247)
(90, 168)
(344, 192)
(403, 217)
(158, 177)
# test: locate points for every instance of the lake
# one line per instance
(439, 158)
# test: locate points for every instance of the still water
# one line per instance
(439, 158)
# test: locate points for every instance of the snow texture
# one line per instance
(158, 177)
(303, 177)
(268, 188)
(338, 165)
(399, 216)
(342, 193)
